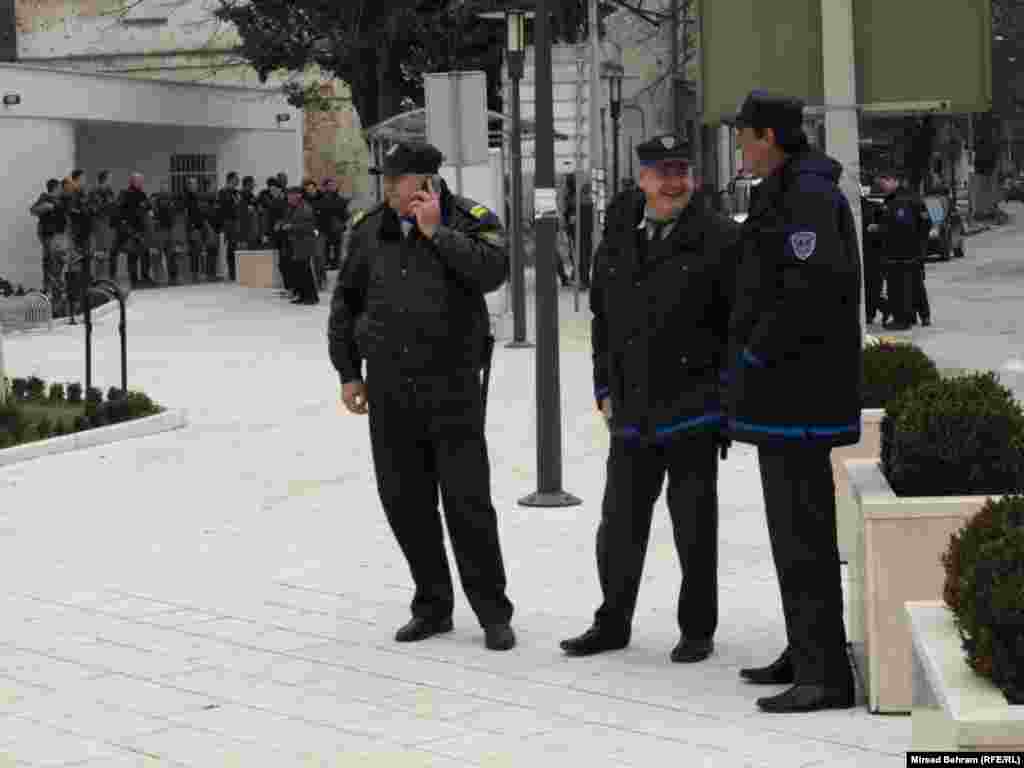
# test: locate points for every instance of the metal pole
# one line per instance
(88, 337)
(615, 138)
(673, 76)
(596, 153)
(518, 265)
(549, 415)
(578, 173)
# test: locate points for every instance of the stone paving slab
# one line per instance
(225, 594)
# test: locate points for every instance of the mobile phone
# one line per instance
(432, 184)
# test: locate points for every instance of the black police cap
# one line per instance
(767, 110)
(410, 157)
(668, 146)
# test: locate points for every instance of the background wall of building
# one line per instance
(31, 151)
(180, 40)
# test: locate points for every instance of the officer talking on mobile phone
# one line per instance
(410, 302)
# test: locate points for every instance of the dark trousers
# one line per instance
(333, 253)
(136, 246)
(280, 242)
(900, 297)
(428, 433)
(920, 301)
(800, 504)
(230, 246)
(872, 286)
(636, 472)
(303, 269)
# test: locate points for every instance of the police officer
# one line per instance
(229, 202)
(794, 385)
(874, 245)
(410, 301)
(660, 303)
(903, 227)
(299, 226)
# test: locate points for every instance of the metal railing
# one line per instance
(21, 312)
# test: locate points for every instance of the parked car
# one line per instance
(946, 238)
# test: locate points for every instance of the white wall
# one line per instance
(56, 94)
(123, 149)
(31, 151)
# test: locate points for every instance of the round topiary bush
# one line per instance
(984, 588)
(44, 427)
(19, 388)
(891, 369)
(954, 437)
(74, 393)
(36, 388)
(57, 393)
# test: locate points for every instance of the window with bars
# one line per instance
(202, 167)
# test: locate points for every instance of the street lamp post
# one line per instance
(515, 16)
(515, 43)
(549, 413)
(613, 73)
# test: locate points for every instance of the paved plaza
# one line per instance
(226, 594)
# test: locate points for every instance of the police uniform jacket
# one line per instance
(300, 226)
(795, 346)
(660, 320)
(53, 221)
(228, 202)
(332, 211)
(133, 207)
(412, 305)
(903, 225)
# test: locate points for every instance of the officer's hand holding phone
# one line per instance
(426, 206)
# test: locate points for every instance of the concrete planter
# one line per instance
(848, 528)
(954, 709)
(258, 269)
(903, 540)
(148, 425)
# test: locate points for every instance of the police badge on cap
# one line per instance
(410, 157)
(669, 146)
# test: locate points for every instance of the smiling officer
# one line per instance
(660, 299)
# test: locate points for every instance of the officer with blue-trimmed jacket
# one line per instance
(660, 299)
(794, 385)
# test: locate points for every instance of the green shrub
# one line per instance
(44, 427)
(82, 423)
(60, 427)
(19, 388)
(114, 394)
(953, 437)
(57, 393)
(984, 587)
(139, 405)
(36, 388)
(891, 369)
(6, 439)
(74, 393)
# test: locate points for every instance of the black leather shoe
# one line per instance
(779, 672)
(688, 650)
(499, 637)
(926, 321)
(594, 640)
(420, 629)
(809, 698)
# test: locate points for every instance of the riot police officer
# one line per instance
(794, 386)
(660, 302)
(903, 226)
(410, 302)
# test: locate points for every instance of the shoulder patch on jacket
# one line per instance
(361, 215)
(479, 211)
